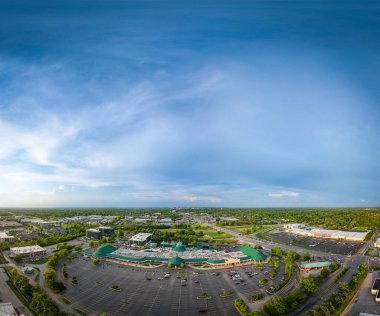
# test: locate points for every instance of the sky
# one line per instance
(190, 103)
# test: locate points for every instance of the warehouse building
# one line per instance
(299, 229)
(31, 252)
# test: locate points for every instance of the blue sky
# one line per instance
(214, 103)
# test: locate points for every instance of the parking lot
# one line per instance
(364, 301)
(321, 244)
(147, 291)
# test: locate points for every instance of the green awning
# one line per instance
(253, 253)
(104, 250)
(176, 261)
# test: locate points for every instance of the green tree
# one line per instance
(78, 247)
(50, 275)
(308, 285)
(17, 258)
(63, 253)
(257, 296)
(4, 245)
(53, 261)
(306, 256)
(325, 273)
(262, 282)
(275, 306)
(277, 251)
(334, 266)
(344, 288)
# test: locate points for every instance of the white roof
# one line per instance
(27, 249)
(310, 231)
(4, 235)
(140, 237)
(95, 230)
(7, 309)
(166, 220)
(378, 240)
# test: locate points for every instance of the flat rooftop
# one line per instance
(27, 249)
(310, 265)
(140, 237)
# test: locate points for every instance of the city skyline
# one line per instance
(145, 103)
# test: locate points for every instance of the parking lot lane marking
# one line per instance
(154, 301)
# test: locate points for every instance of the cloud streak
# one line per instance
(161, 120)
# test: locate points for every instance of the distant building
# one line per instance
(106, 231)
(299, 229)
(307, 266)
(140, 220)
(10, 225)
(165, 221)
(97, 233)
(28, 236)
(377, 243)
(48, 223)
(141, 239)
(5, 237)
(93, 233)
(229, 219)
(32, 252)
(7, 309)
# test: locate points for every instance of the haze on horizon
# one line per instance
(214, 103)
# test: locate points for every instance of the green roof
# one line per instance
(310, 265)
(253, 253)
(179, 247)
(216, 261)
(88, 251)
(176, 261)
(104, 250)
(166, 244)
(193, 260)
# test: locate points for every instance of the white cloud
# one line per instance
(284, 194)
(200, 199)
